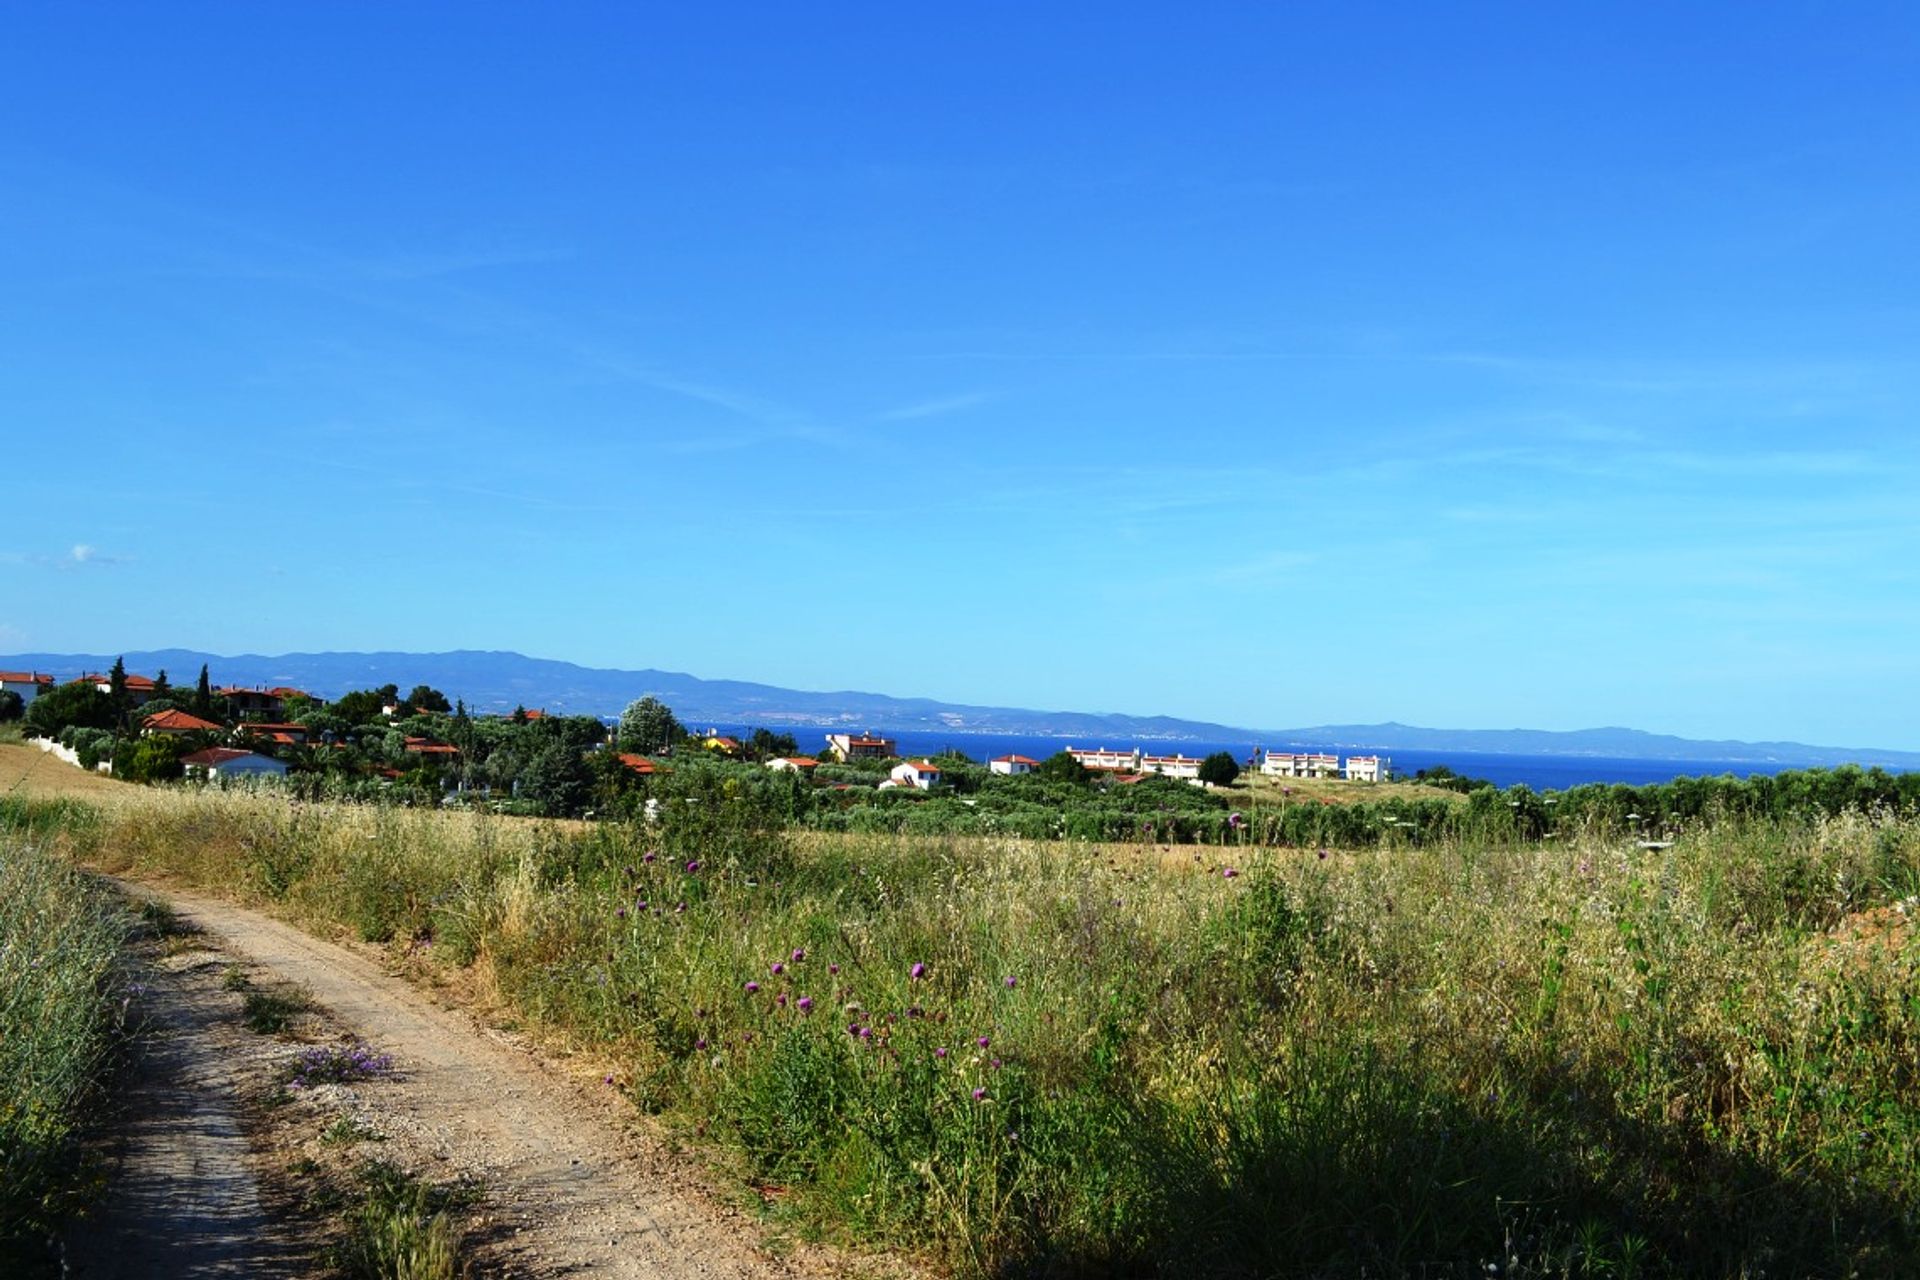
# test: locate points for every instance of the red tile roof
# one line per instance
(176, 721)
(803, 762)
(215, 756)
(1014, 760)
(24, 677)
(642, 765)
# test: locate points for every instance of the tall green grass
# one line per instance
(1589, 1060)
(60, 1005)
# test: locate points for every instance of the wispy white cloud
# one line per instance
(81, 555)
(933, 408)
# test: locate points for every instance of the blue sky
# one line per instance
(1492, 366)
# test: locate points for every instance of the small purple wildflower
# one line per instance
(1229, 872)
(979, 1095)
(799, 954)
(776, 968)
(701, 1043)
(1012, 981)
(640, 905)
(917, 972)
(833, 968)
(650, 857)
(693, 866)
(781, 999)
(866, 1033)
(621, 913)
(609, 1079)
(679, 908)
(853, 1029)
(941, 1052)
(983, 1042)
(752, 987)
(334, 1064)
(804, 1004)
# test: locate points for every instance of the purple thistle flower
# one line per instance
(609, 1079)
(833, 968)
(621, 913)
(941, 1052)
(805, 1004)
(866, 1033)
(1323, 855)
(1012, 981)
(693, 866)
(679, 908)
(983, 1042)
(649, 858)
(640, 905)
(701, 1043)
(853, 1029)
(776, 968)
(752, 987)
(1229, 872)
(799, 954)
(995, 1064)
(979, 1095)
(781, 999)
(918, 972)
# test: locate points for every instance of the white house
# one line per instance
(1012, 765)
(28, 684)
(1363, 769)
(1173, 766)
(232, 762)
(858, 746)
(1280, 764)
(916, 773)
(1110, 761)
(139, 688)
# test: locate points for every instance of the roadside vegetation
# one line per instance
(1577, 1056)
(62, 998)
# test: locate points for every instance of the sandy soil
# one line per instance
(569, 1187)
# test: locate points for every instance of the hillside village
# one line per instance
(421, 748)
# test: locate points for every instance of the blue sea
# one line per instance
(1541, 772)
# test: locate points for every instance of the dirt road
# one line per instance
(568, 1190)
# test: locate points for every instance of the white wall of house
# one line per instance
(914, 776)
(27, 689)
(1363, 768)
(1009, 767)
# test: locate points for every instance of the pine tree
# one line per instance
(117, 689)
(203, 695)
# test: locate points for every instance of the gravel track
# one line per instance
(569, 1190)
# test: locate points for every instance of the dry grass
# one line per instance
(39, 775)
(1260, 789)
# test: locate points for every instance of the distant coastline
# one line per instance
(498, 681)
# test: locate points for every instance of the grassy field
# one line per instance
(61, 942)
(1583, 1060)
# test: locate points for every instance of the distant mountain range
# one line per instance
(496, 682)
